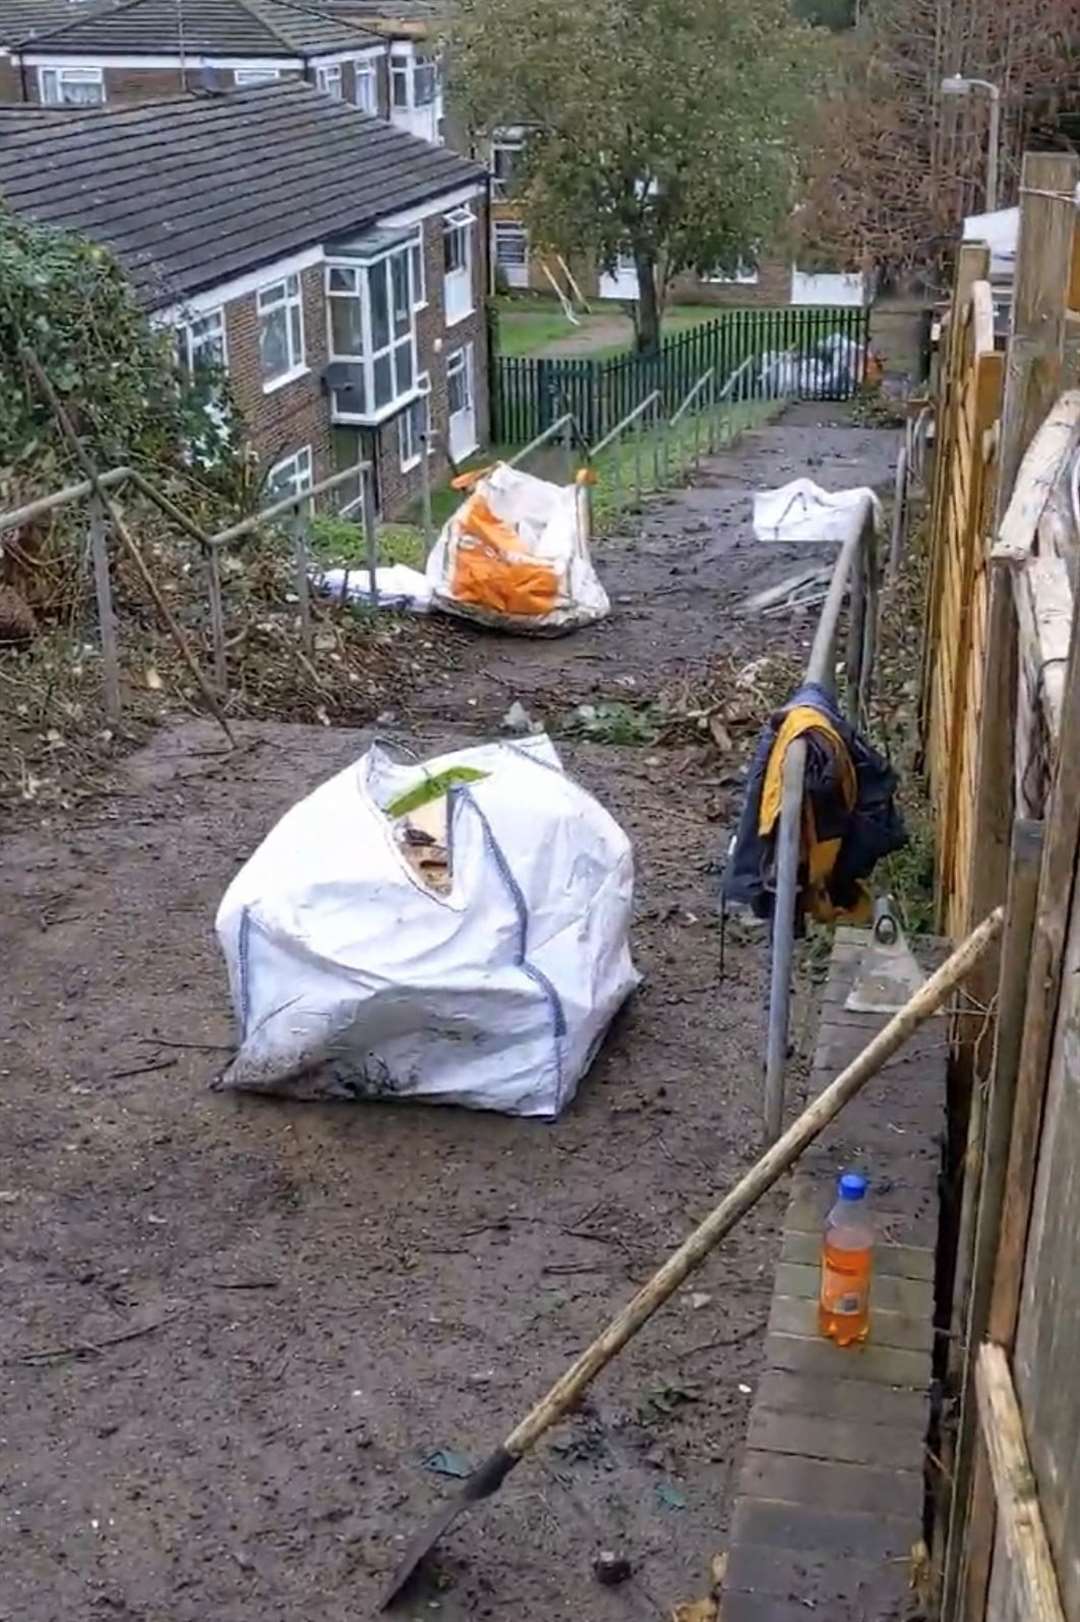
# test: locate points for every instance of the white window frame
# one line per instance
(62, 73)
(362, 270)
(408, 451)
(408, 66)
(744, 275)
(188, 344)
(297, 467)
(244, 78)
(366, 73)
(460, 360)
(330, 81)
(506, 229)
(458, 297)
(291, 299)
(418, 271)
(502, 143)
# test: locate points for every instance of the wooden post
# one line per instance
(989, 1134)
(1019, 1514)
(217, 618)
(300, 563)
(972, 265)
(110, 661)
(1032, 384)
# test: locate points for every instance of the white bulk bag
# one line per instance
(352, 978)
(515, 555)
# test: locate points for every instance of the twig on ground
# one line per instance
(746, 1334)
(141, 1069)
(55, 1354)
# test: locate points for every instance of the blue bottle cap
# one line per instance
(851, 1186)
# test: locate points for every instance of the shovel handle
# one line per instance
(749, 1189)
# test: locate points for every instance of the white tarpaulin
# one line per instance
(352, 977)
(398, 586)
(803, 511)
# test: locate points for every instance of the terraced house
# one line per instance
(81, 53)
(334, 265)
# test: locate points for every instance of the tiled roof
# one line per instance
(26, 19)
(261, 28)
(195, 190)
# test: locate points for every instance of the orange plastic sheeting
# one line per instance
(491, 570)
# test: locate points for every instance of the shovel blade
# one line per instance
(484, 1481)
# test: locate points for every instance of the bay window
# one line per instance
(457, 264)
(71, 87)
(281, 330)
(372, 330)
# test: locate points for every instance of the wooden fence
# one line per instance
(529, 394)
(970, 383)
(1001, 713)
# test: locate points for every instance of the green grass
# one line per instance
(530, 326)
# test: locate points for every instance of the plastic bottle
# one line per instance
(847, 1254)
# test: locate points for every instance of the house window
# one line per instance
(457, 264)
(329, 81)
(512, 252)
(425, 83)
(281, 330)
(289, 477)
(250, 76)
(745, 274)
(413, 424)
(504, 152)
(201, 343)
(366, 93)
(458, 382)
(414, 81)
(371, 325)
(416, 270)
(72, 87)
(399, 81)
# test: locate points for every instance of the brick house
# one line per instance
(333, 264)
(772, 279)
(410, 29)
(82, 54)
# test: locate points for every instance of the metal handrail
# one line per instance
(856, 558)
(17, 516)
(689, 399)
(620, 427)
(563, 425)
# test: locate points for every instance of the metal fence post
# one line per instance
(637, 459)
(425, 489)
(371, 540)
(110, 663)
(217, 619)
(788, 844)
(568, 450)
(300, 558)
(658, 446)
(697, 442)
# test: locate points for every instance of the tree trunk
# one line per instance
(648, 305)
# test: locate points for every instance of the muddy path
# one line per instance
(233, 1332)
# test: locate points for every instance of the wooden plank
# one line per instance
(794, 1315)
(828, 1484)
(1050, 449)
(849, 1441)
(984, 1179)
(915, 1297)
(883, 1365)
(1019, 1515)
(827, 1398)
(849, 1535)
(895, 1261)
(822, 1583)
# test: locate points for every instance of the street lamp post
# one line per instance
(957, 85)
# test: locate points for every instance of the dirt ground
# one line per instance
(235, 1332)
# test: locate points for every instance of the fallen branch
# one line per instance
(54, 1354)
